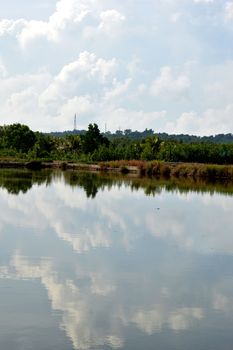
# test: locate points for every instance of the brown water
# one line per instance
(91, 262)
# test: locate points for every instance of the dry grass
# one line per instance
(184, 170)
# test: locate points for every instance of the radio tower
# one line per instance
(75, 122)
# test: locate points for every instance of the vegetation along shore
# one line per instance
(92, 150)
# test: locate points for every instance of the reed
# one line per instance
(179, 170)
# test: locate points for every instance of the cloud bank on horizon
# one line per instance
(160, 64)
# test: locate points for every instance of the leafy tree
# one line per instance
(93, 139)
(150, 148)
(74, 142)
(127, 132)
(19, 137)
(43, 146)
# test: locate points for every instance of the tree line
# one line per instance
(19, 141)
(139, 135)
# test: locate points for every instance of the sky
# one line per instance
(128, 64)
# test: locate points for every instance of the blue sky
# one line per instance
(165, 65)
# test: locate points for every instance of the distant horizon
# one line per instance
(140, 131)
(122, 130)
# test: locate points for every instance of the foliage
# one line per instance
(141, 135)
(92, 139)
(42, 147)
(19, 141)
(18, 137)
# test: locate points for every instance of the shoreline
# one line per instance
(63, 165)
(140, 168)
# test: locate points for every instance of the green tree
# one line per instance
(150, 148)
(92, 139)
(43, 146)
(18, 137)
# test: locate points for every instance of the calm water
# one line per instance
(90, 262)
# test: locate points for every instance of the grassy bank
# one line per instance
(184, 170)
(142, 168)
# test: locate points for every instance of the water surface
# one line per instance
(102, 262)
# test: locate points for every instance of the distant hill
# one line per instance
(220, 138)
(138, 135)
(65, 133)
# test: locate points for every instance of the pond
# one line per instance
(90, 261)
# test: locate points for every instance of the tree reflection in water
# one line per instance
(17, 181)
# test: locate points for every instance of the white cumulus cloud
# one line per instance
(229, 10)
(117, 63)
(167, 84)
